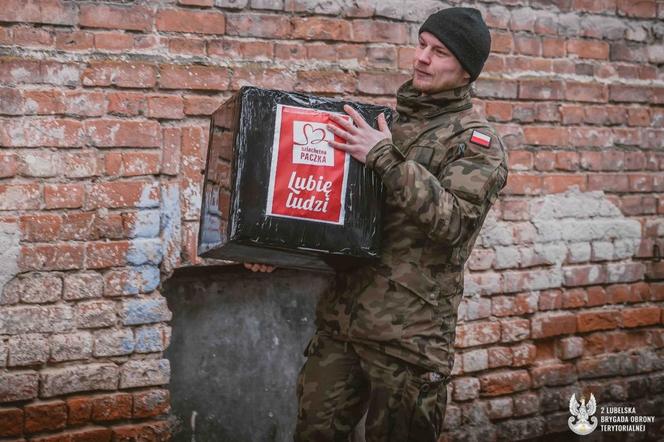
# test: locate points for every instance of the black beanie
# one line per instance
(462, 31)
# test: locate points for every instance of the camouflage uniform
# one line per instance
(439, 187)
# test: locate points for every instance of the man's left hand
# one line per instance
(360, 137)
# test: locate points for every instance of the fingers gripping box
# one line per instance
(276, 192)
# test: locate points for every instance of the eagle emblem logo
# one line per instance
(583, 415)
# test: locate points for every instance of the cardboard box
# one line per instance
(276, 193)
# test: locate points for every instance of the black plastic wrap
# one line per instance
(261, 134)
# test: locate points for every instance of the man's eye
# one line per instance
(441, 53)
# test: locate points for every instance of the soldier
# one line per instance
(384, 343)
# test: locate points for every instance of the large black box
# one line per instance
(276, 193)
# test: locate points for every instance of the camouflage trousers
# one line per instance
(340, 381)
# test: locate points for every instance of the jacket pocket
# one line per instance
(422, 155)
(410, 276)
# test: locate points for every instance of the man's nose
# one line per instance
(424, 55)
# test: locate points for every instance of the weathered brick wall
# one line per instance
(103, 131)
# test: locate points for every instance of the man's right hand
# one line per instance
(259, 267)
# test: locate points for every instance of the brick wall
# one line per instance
(103, 131)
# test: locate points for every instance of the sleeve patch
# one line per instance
(480, 138)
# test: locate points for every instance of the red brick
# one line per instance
(132, 163)
(506, 382)
(11, 101)
(122, 74)
(520, 159)
(566, 160)
(640, 292)
(188, 46)
(541, 89)
(35, 11)
(477, 333)
(553, 47)
(44, 102)
(109, 226)
(81, 164)
(200, 22)
(19, 196)
(499, 110)
(119, 194)
(642, 9)
(573, 298)
(8, 165)
(545, 135)
(101, 255)
(608, 182)
(84, 103)
(51, 257)
(45, 416)
(500, 357)
(136, 18)
(201, 105)
(526, 45)
(292, 51)
(42, 132)
(598, 320)
(588, 49)
(572, 114)
(151, 431)
(91, 435)
(52, 438)
(562, 183)
(640, 182)
(11, 422)
(377, 31)
(523, 354)
(196, 2)
(590, 92)
(594, 5)
(553, 325)
(550, 300)
(165, 106)
(266, 78)
(513, 330)
(113, 41)
(77, 226)
(241, 49)
(112, 407)
(325, 82)
(194, 77)
(170, 156)
(501, 42)
(553, 375)
(320, 28)
(32, 37)
(628, 93)
(63, 196)
(126, 103)
(259, 25)
(375, 83)
(122, 133)
(545, 161)
(151, 403)
(523, 184)
(74, 41)
(640, 317)
(40, 227)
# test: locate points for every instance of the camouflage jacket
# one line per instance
(442, 172)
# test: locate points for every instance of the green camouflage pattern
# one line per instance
(439, 188)
(342, 380)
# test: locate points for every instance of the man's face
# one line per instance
(435, 68)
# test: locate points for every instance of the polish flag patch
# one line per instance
(481, 139)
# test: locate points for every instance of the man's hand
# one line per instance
(360, 137)
(259, 267)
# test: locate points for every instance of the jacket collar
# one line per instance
(413, 104)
